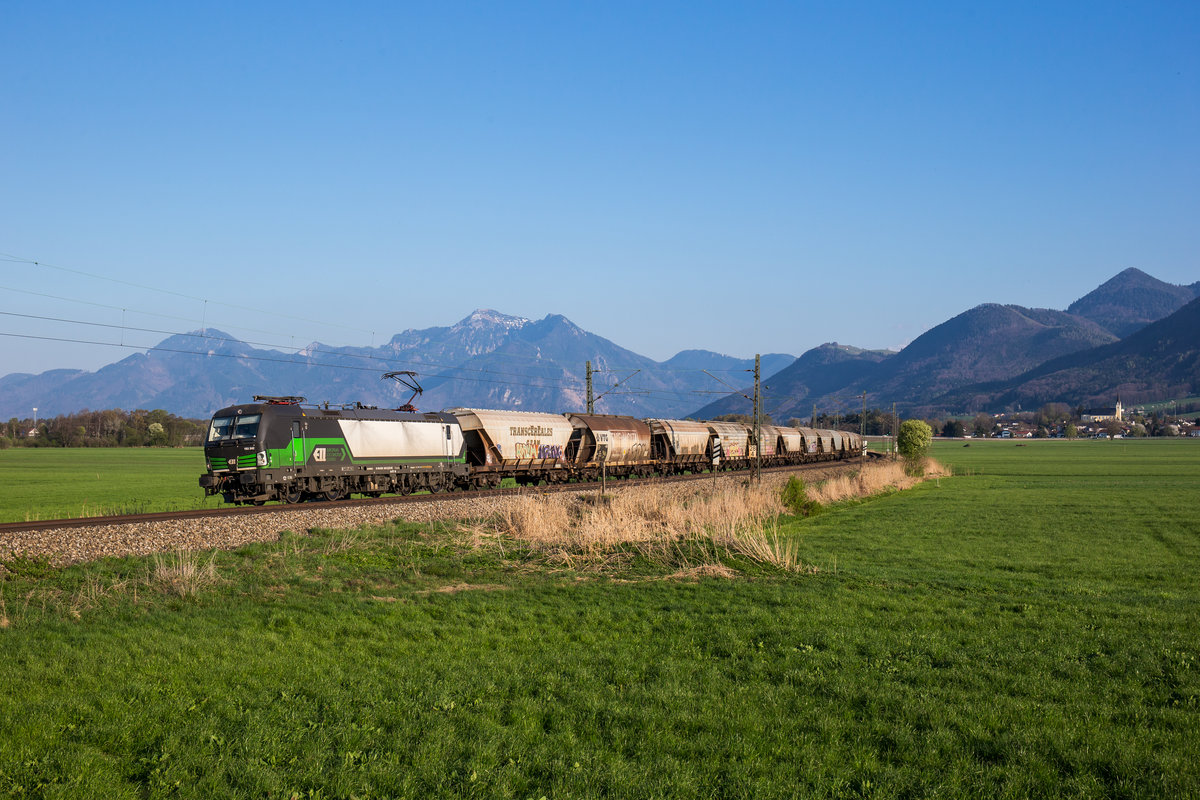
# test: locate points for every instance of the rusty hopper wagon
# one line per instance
(770, 445)
(811, 441)
(791, 444)
(733, 447)
(527, 446)
(616, 445)
(830, 443)
(679, 444)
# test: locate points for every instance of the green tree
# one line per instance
(983, 424)
(1072, 431)
(158, 436)
(953, 429)
(914, 439)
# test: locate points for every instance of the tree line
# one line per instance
(111, 428)
(1050, 420)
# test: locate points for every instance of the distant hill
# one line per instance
(818, 373)
(769, 363)
(1131, 300)
(988, 342)
(984, 346)
(487, 359)
(1158, 361)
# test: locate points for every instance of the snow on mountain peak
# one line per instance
(486, 316)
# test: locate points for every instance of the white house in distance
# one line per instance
(1104, 414)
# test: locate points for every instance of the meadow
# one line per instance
(1027, 628)
(67, 482)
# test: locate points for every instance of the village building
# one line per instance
(1104, 414)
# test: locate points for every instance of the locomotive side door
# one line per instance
(297, 447)
(447, 443)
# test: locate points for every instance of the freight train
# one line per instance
(280, 448)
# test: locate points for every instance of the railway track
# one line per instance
(249, 511)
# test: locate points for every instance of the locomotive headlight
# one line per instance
(262, 458)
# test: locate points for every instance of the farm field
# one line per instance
(1029, 628)
(64, 482)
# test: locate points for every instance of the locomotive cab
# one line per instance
(240, 444)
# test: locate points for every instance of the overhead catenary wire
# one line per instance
(281, 360)
(171, 292)
(650, 369)
(126, 308)
(276, 345)
(534, 381)
(301, 360)
(272, 345)
(340, 352)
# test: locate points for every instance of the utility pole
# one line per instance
(591, 406)
(813, 424)
(757, 425)
(893, 430)
(862, 427)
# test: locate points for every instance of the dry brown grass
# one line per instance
(92, 592)
(184, 574)
(703, 571)
(690, 527)
(874, 478)
(341, 541)
(687, 527)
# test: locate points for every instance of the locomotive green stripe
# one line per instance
(282, 457)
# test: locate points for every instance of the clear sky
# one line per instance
(739, 177)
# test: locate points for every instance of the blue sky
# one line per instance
(750, 177)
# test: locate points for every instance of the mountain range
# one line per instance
(487, 360)
(994, 357)
(1132, 336)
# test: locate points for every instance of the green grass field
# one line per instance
(63, 482)
(1026, 629)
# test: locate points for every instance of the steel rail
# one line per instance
(319, 505)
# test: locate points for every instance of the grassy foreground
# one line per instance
(1028, 629)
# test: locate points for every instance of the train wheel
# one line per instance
(333, 494)
(291, 497)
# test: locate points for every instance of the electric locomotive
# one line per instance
(278, 449)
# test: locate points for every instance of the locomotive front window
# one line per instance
(246, 427)
(220, 428)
